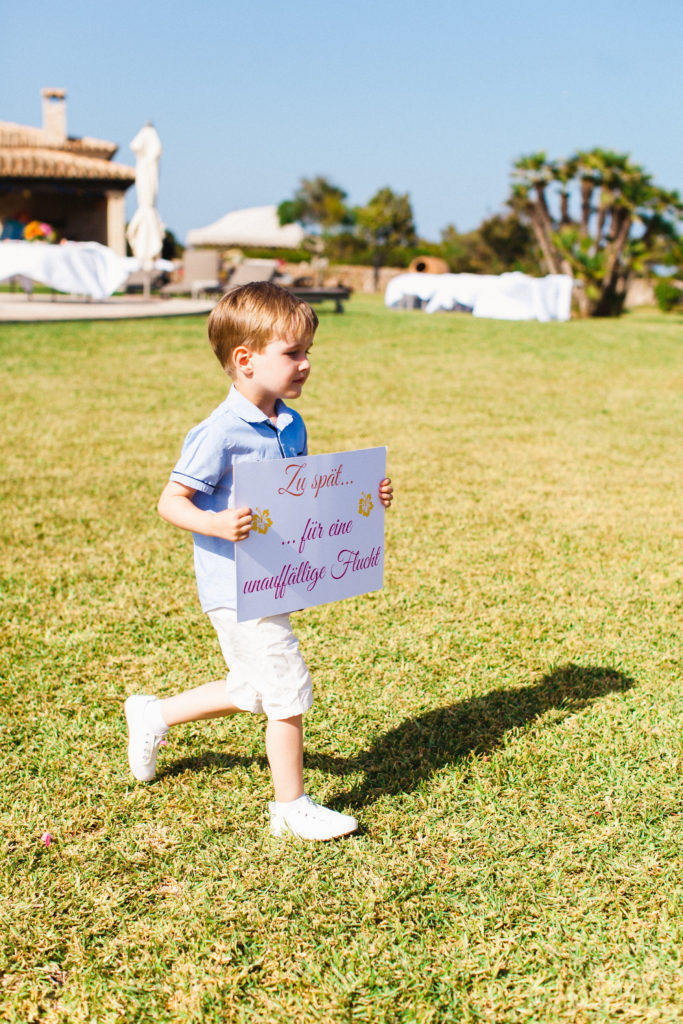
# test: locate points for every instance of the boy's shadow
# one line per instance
(399, 760)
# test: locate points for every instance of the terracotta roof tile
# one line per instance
(25, 136)
(33, 162)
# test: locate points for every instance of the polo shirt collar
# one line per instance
(251, 413)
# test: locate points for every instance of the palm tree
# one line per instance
(609, 240)
(533, 175)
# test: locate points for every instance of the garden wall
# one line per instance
(360, 279)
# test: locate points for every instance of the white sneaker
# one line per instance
(309, 820)
(143, 744)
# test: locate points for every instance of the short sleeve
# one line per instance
(204, 459)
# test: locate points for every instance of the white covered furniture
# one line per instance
(513, 296)
(78, 268)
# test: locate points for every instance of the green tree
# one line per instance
(317, 205)
(171, 248)
(385, 223)
(320, 207)
(501, 243)
(624, 221)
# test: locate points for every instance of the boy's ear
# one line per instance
(241, 358)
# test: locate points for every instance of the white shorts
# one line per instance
(267, 672)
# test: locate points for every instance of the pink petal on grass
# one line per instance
(46, 838)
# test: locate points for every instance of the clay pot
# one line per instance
(428, 265)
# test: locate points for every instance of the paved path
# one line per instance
(16, 307)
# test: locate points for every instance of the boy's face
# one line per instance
(282, 368)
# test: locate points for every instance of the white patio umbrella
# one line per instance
(259, 225)
(146, 230)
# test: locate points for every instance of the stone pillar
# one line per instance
(116, 222)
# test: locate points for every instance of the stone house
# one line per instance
(71, 183)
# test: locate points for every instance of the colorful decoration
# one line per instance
(39, 231)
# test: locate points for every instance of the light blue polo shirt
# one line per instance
(237, 431)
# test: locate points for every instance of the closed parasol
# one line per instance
(146, 230)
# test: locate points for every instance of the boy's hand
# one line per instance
(232, 524)
(386, 492)
(176, 506)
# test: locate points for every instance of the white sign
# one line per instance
(317, 533)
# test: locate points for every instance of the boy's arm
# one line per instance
(176, 507)
(386, 492)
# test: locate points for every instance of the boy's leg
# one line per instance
(294, 811)
(285, 750)
(207, 701)
(149, 718)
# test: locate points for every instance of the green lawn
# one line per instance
(505, 718)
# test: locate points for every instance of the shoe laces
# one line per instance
(152, 742)
(313, 810)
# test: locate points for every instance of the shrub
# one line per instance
(667, 295)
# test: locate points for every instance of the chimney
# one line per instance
(54, 114)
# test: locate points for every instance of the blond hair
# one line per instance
(253, 315)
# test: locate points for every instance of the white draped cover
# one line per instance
(78, 268)
(513, 296)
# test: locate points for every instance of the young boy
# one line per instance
(262, 336)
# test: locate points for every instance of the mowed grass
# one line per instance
(505, 717)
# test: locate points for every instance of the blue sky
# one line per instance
(435, 99)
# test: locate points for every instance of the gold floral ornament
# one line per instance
(365, 504)
(261, 521)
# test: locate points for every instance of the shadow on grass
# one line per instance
(402, 758)
(208, 761)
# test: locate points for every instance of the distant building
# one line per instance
(70, 183)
